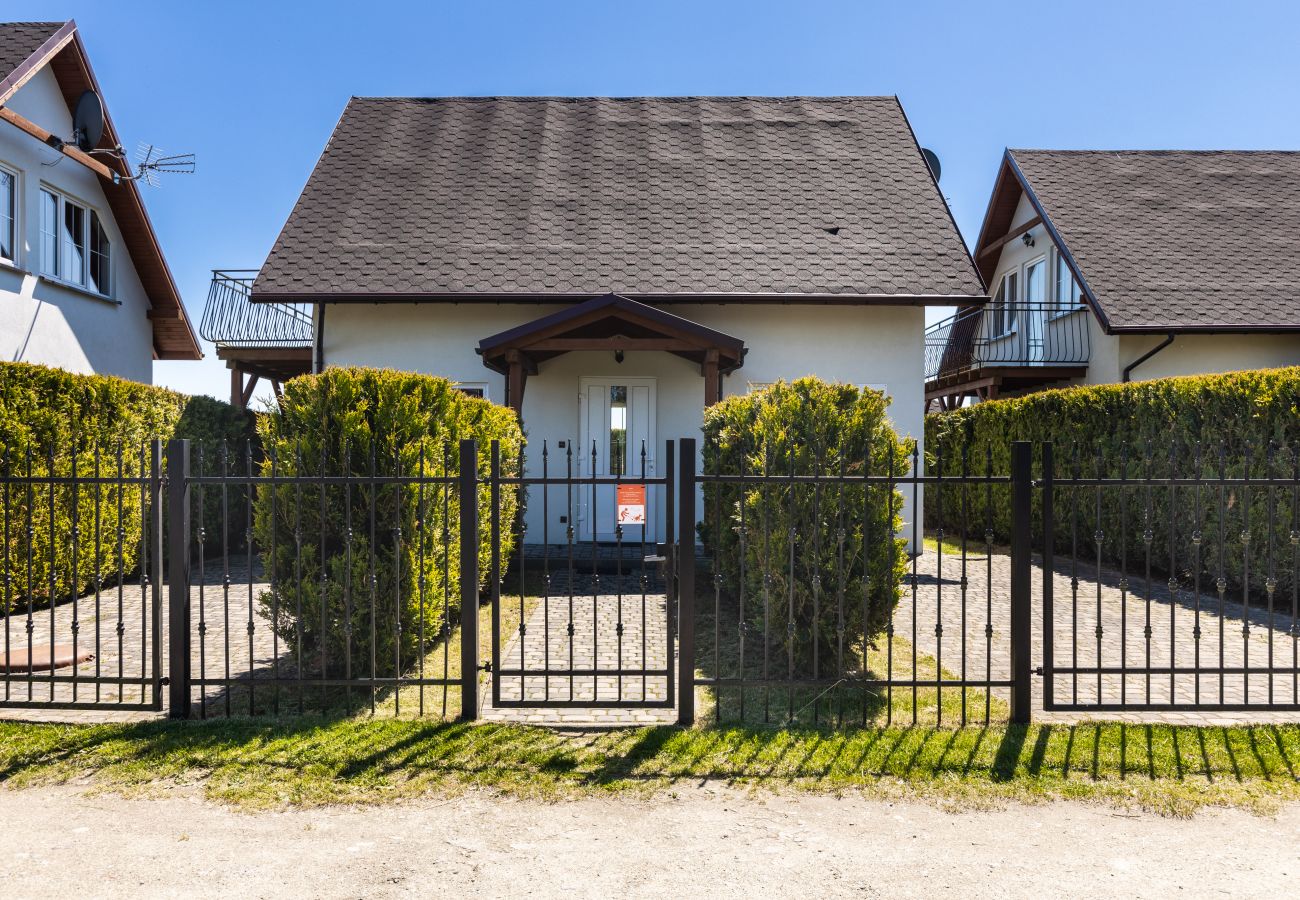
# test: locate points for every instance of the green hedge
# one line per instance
(220, 435)
(808, 427)
(336, 423)
(52, 421)
(1144, 428)
(68, 424)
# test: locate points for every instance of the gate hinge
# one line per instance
(1038, 671)
(487, 666)
(164, 681)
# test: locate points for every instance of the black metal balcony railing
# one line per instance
(231, 319)
(1025, 334)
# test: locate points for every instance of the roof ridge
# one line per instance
(667, 98)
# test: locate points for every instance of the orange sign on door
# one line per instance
(631, 504)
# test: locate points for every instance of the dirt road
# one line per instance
(63, 843)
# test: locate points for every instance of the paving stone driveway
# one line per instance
(1122, 615)
(595, 643)
(128, 616)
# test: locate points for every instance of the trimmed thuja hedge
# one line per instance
(820, 561)
(1198, 426)
(357, 596)
(60, 423)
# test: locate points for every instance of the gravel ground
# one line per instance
(62, 843)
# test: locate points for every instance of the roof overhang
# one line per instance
(646, 297)
(610, 322)
(65, 55)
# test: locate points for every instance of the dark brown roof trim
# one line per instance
(14, 80)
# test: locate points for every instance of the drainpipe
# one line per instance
(1128, 370)
(320, 341)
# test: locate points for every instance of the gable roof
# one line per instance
(652, 198)
(25, 49)
(1166, 240)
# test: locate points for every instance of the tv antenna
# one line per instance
(88, 130)
(152, 162)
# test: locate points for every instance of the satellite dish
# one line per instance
(932, 160)
(88, 121)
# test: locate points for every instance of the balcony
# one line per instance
(984, 351)
(257, 340)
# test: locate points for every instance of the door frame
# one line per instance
(633, 475)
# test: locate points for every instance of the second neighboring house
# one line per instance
(610, 267)
(83, 282)
(1111, 266)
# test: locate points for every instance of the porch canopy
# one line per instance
(610, 323)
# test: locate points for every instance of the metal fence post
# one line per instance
(156, 501)
(178, 577)
(1022, 486)
(1049, 566)
(686, 583)
(469, 666)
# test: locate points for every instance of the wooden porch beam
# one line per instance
(617, 342)
(1011, 235)
(72, 151)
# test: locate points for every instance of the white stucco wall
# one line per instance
(41, 320)
(860, 345)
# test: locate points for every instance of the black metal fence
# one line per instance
(1062, 580)
(82, 542)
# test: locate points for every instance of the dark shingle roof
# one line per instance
(1178, 239)
(19, 40)
(643, 196)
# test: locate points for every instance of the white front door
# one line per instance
(616, 438)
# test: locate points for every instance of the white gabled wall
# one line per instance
(877, 345)
(42, 321)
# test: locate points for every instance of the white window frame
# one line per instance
(52, 268)
(466, 386)
(16, 223)
(1004, 324)
(1062, 307)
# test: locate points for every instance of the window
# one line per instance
(49, 233)
(74, 244)
(8, 215)
(617, 429)
(1068, 294)
(1036, 285)
(1004, 308)
(473, 389)
(100, 273)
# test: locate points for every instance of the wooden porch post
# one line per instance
(712, 384)
(236, 388)
(516, 379)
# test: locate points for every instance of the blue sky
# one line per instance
(255, 88)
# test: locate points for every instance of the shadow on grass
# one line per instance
(318, 759)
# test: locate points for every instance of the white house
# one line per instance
(1108, 266)
(610, 264)
(83, 282)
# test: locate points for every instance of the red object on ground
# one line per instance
(42, 656)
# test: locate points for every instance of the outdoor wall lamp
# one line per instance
(618, 356)
(1028, 238)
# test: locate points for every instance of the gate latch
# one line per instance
(486, 666)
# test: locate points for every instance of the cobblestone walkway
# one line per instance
(545, 643)
(1122, 616)
(123, 643)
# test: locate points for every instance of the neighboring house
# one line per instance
(1109, 266)
(83, 282)
(609, 267)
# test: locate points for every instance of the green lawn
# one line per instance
(259, 763)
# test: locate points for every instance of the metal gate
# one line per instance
(82, 573)
(583, 620)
